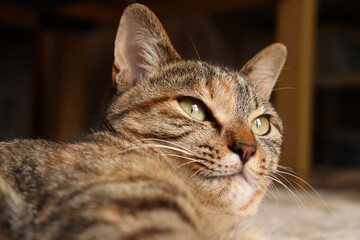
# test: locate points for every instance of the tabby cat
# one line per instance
(188, 156)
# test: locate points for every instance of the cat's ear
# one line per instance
(141, 47)
(264, 69)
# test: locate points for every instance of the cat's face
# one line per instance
(222, 134)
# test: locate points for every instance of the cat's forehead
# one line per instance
(190, 74)
(229, 93)
(220, 88)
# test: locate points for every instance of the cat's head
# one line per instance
(220, 130)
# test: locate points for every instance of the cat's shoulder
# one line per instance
(97, 138)
(19, 145)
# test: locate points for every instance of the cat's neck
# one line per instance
(233, 225)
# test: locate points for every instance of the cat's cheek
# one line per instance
(255, 169)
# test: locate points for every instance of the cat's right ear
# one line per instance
(141, 47)
(263, 70)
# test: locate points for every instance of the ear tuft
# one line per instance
(264, 69)
(141, 47)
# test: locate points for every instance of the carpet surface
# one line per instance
(282, 216)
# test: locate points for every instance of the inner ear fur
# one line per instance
(264, 68)
(141, 47)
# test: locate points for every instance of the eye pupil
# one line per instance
(258, 122)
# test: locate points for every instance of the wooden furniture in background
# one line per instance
(296, 21)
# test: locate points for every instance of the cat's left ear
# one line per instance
(141, 47)
(264, 69)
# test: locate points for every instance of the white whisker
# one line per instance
(273, 190)
(283, 88)
(165, 141)
(158, 146)
(165, 147)
(307, 184)
(191, 160)
(292, 185)
(196, 51)
(185, 163)
(297, 184)
(289, 169)
(296, 198)
(200, 171)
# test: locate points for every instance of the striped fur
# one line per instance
(159, 174)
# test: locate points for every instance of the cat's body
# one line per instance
(190, 155)
(69, 187)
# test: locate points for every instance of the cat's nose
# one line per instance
(244, 150)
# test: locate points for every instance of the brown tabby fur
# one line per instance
(159, 173)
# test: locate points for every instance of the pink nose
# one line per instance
(245, 151)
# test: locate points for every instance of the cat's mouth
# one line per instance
(238, 176)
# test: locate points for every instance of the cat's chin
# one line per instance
(240, 179)
(233, 194)
(241, 194)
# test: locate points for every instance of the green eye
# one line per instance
(195, 108)
(260, 126)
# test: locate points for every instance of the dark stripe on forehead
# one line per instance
(256, 100)
(210, 87)
(182, 73)
(250, 91)
(209, 71)
(246, 89)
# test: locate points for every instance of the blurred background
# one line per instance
(56, 58)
